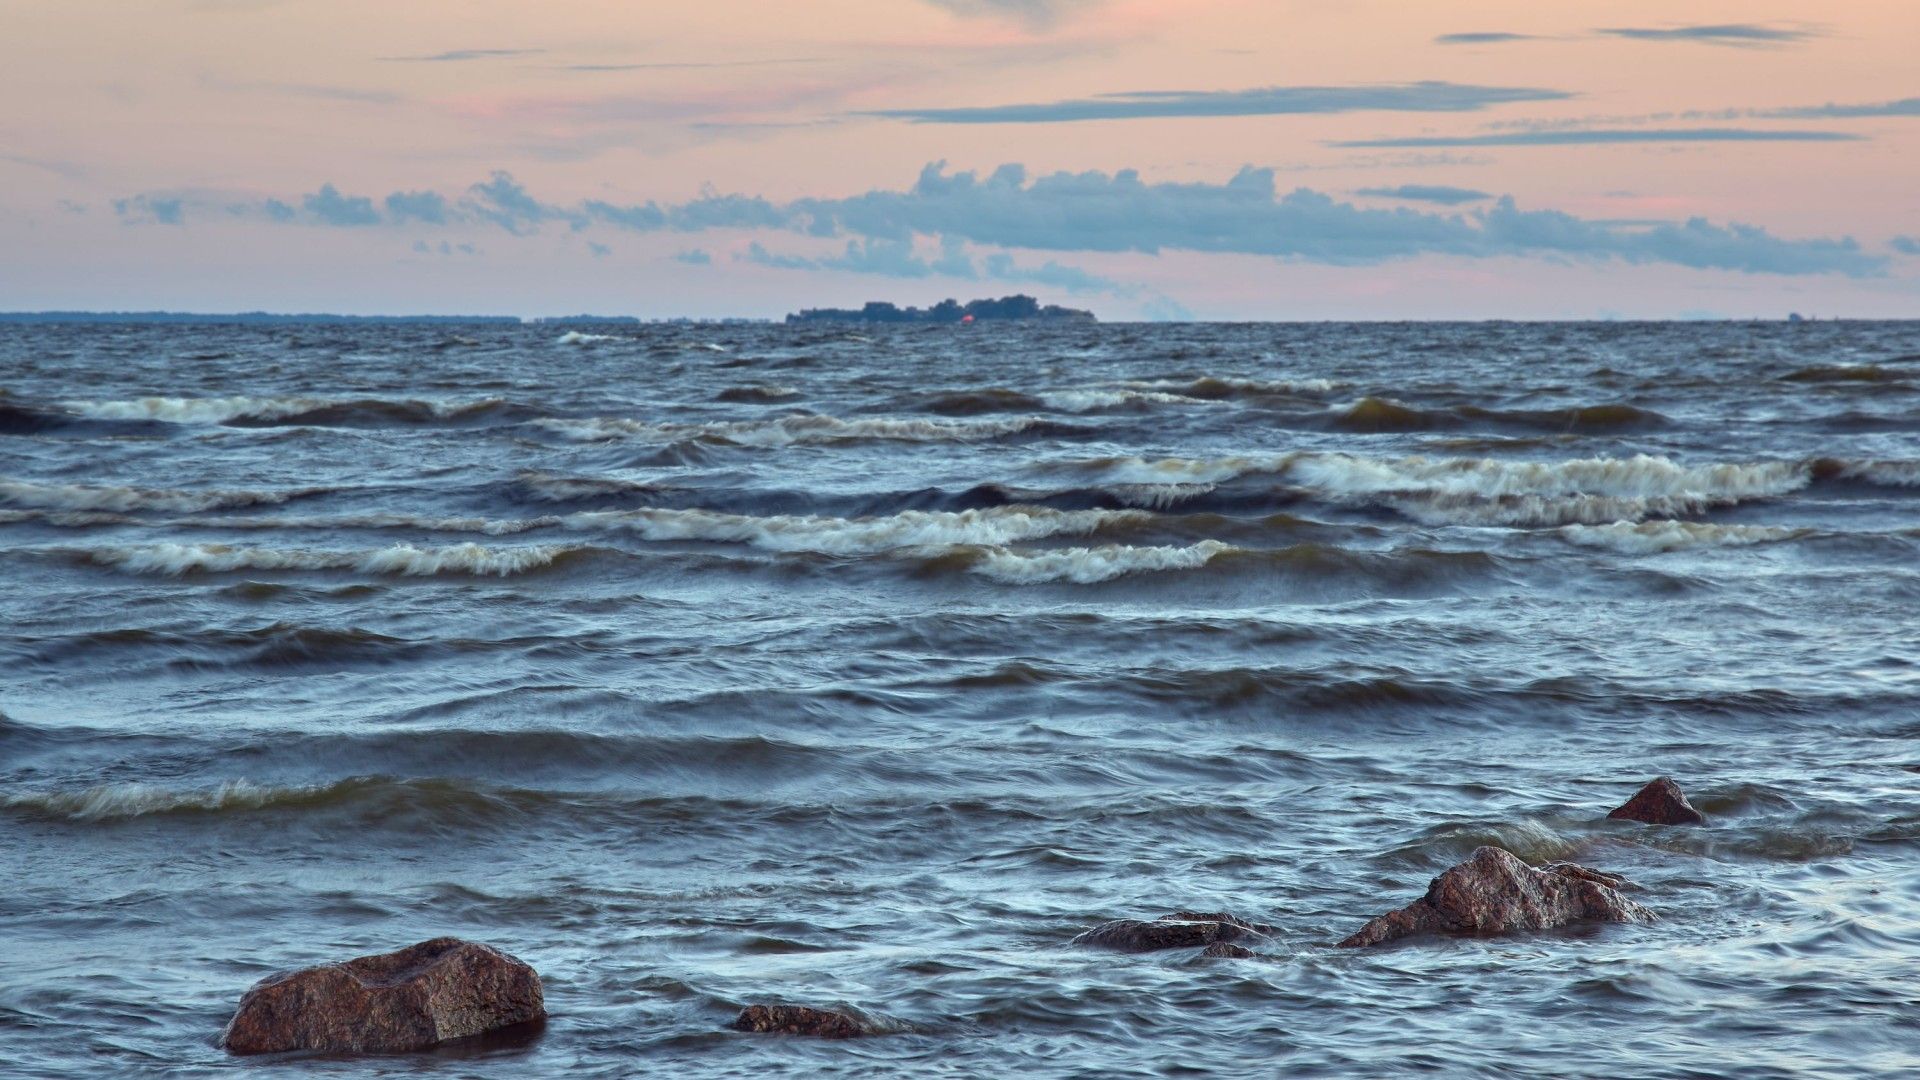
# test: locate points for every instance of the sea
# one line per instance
(864, 667)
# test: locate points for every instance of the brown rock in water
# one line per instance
(1223, 950)
(424, 994)
(1181, 930)
(1493, 892)
(1661, 802)
(797, 1020)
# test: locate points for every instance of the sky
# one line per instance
(1146, 159)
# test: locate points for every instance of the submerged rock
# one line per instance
(1493, 892)
(1661, 802)
(797, 1020)
(1181, 930)
(424, 994)
(1227, 951)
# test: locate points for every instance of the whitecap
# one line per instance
(1088, 566)
(1656, 537)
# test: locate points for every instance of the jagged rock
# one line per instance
(1227, 951)
(1493, 892)
(424, 994)
(1181, 930)
(1661, 802)
(797, 1020)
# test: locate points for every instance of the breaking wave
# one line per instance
(844, 536)
(1656, 537)
(242, 410)
(1079, 566)
(1082, 401)
(1487, 491)
(400, 559)
(124, 499)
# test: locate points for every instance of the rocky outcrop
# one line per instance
(1661, 802)
(797, 1020)
(1181, 930)
(1493, 892)
(428, 993)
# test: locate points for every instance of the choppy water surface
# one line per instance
(701, 666)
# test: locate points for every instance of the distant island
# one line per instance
(946, 311)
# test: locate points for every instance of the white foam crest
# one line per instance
(790, 430)
(576, 337)
(221, 410)
(1641, 476)
(123, 499)
(109, 802)
(1083, 400)
(400, 559)
(853, 536)
(178, 410)
(1656, 537)
(1088, 566)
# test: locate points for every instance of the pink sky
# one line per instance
(163, 154)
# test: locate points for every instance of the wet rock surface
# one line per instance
(393, 1002)
(1661, 802)
(1181, 930)
(797, 1020)
(1493, 892)
(1223, 950)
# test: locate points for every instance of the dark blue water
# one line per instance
(703, 666)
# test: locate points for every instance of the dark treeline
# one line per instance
(946, 311)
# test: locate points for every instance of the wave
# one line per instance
(802, 430)
(241, 410)
(854, 536)
(1079, 566)
(1902, 474)
(418, 522)
(123, 499)
(1094, 400)
(1656, 537)
(1487, 491)
(1218, 388)
(762, 392)
(1868, 373)
(546, 487)
(1379, 415)
(986, 400)
(103, 803)
(400, 559)
(21, 420)
(576, 337)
